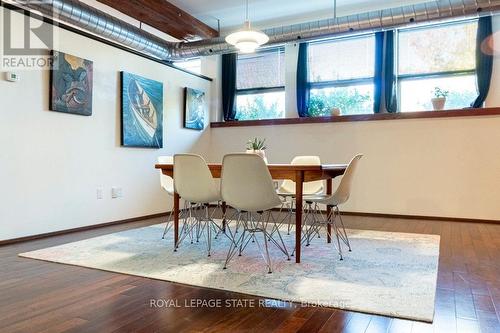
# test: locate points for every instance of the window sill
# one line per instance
(362, 117)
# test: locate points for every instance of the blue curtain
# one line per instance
(302, 84)
(229, 85)
(390, 84)
(379, 66)
(484, 62)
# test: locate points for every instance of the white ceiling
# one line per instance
(271, 13)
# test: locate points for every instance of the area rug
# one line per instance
(387, 273)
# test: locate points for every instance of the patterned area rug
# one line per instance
(387, 273)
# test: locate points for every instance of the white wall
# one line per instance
(51, 163)
(447, 167)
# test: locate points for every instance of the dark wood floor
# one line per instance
(38, 296)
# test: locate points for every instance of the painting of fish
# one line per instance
(142, 111)
(194, 109)
(71, 84)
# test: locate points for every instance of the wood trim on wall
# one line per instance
(84, 228)
(493, 111)
(422, 217)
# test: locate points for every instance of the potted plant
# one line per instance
(257, 146)
(439, 99)
(335, 112)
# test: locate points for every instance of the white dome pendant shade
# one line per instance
(247, 40)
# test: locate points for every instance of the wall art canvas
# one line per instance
(71, 80)
(194, 109)
(142, 111)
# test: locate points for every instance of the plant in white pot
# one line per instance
(439, 99)
(257, 146)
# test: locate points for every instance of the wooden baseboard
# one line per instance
(85, 228)
(415, 217)
(422, 217)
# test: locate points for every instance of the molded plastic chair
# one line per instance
(247, 186)
(340, 196)
(287, 188)
(194, 183)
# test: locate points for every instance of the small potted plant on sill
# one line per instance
(257, 146)
(439, 99)
(334, 112)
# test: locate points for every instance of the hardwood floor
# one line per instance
(37, 296)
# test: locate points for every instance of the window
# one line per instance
(440, 56)
(191, 65)
(341, 75)
(260, 85)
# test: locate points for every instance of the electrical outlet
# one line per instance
(100, 193)
(116, 192)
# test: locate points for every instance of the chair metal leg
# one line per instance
(290, 214)
(168, 225)
(268, 261)
(338, 240)
(251, 227)
(187, 229)
(282, 247)
(209, 240)
(345, 238)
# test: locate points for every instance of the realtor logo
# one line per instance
(27, 41)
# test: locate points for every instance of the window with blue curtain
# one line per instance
(438, 56)
(260, 85)
(341, 75)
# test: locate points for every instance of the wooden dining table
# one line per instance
(297, 173)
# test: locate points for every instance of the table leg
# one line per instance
(176, 220)
(329, 188)
(224, 208)
(299, 181)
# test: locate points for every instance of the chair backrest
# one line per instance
(343, 191)
(288, 186)
(166, 182)
(246, 183)
(193, 180)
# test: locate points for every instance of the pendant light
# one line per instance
(247, 40)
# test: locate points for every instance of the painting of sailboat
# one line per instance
(142, 111)
(194, 109)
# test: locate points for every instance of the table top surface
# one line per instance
(321, 167)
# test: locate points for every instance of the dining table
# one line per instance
(296, 173)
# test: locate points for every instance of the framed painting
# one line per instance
(141, 111)
(194, 109)
(71, 80)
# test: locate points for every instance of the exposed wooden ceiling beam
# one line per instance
(162, 15)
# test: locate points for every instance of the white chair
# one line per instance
(194, 183)
(247, 186)
(167, 183)
(287, 188)
(340, 196)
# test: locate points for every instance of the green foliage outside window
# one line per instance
(256, 108)
(348, 100)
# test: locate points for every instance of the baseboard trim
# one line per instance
(422, 217)
(416, 217)
(84, 228)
